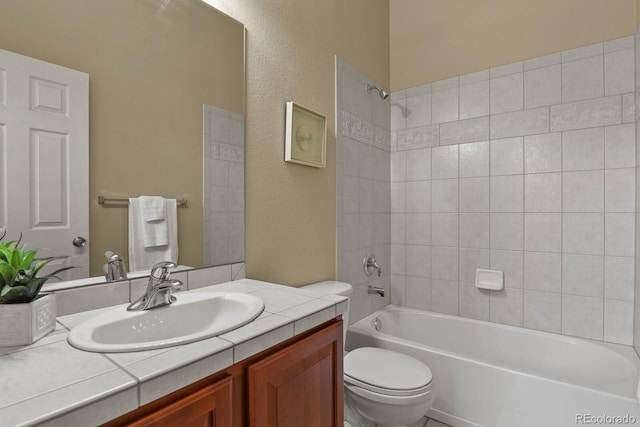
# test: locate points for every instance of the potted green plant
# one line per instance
(25, 316)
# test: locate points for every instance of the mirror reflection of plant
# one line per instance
(18, 270)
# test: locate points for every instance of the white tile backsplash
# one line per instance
(534, 176)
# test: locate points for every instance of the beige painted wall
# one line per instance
(291, 209)
(437, 39)
(152, 64)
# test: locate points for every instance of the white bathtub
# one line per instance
(492, 375)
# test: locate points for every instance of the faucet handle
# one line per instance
(162, 270)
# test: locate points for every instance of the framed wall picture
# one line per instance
(306, 136)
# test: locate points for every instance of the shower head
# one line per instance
(383, 94)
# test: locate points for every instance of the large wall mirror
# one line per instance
(166, 112)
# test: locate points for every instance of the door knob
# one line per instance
(79, 242)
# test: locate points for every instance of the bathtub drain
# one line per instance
(377, 324)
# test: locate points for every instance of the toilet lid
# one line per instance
(386, 369)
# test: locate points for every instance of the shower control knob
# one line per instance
(79, 242)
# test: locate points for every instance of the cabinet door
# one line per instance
(300, 385)
(209, 407)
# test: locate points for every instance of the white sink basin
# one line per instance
(194, 316)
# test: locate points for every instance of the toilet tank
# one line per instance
(331, 287)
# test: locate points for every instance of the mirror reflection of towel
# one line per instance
(154, 225)
(149, 245)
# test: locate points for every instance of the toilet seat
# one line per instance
(386, 372)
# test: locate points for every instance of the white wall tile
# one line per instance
(620, 190)
(506, 93)
(543, 153)
(444, 229)
(618, 322)
(474, 194)
(444, 162)
(473, 302)
(444, 262)
(583, 275)
(398, 288)
(418, 261)
(507, 193)
(618, 278)
(542, 87)
(398, 119)
(462, 131)
(418, 292)
(543, 61)
(506, 156)
(582, 52)
(543, 232)
(418, 90)
(585, 114)
(628, 108)
(543, 192)
(619, 237)
(398, 259)
(582, 316)
(543, 271)
(619, 44)
(444, 296)
(474, 100)
(444, 105)
(507, 69)
(420, 137)
(418, 196)
(620, 147)
(506, 306)
(399, 166)
(444, 84)
(474, 77)
(583, 149)
(418, 164)
(419, 109)
(399, 228)
(398, 197)
(469, 261)
(583, 233)
(520, 123)
(511, 263)
(619, 72)
(474, 159)
(474, 230)
(583, 191)
(583, 79)
(507, 231)
(418, 227)
(445, 195)
(542, 311)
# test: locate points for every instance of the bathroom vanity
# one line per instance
(283, 367)
(299, 379)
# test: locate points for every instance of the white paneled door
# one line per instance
(44, 159)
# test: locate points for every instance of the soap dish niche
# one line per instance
(489, 279)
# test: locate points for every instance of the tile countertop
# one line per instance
(52, 383)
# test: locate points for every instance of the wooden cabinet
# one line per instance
(296, 383)
(209, 407)
(299, 385)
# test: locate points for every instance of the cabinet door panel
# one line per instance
(299, 385)
(209, 407)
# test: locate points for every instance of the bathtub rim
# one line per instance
(627, 352)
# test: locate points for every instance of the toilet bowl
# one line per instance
(381, 387)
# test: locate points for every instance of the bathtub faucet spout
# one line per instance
(375, 290)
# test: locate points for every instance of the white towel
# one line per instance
(141, 257)
(154, 208)
(154, 226)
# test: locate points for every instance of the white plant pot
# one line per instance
(23, 324)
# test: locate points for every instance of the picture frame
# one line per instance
(306, 136)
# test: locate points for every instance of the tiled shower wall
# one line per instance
(362, 168)
(223, 212)
(528, 168)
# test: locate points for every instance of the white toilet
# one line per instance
(384, 387)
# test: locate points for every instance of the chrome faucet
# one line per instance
(159, 288)
(114, 268)
(370, 265)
